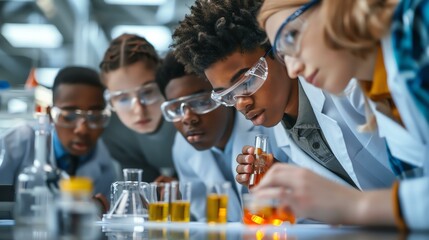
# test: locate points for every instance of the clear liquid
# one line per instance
(32, 206)
(77, 221)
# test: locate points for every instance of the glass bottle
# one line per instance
(260, 166)
(32, 192)
(76, 212)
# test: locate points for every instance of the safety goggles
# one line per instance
(200, 103)
(247, 85)
(124, 100)
(287, 40)
(72, 118)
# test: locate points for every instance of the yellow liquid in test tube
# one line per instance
(180, 211)
(217, 208)
(158, 211)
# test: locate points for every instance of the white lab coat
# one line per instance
(363, 156)
(200, 168)
(18, 144)
(409, 143)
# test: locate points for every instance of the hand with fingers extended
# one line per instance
(246, 161)
(310, 195)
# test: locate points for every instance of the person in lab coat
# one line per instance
(137, 136)
(209, 137)
(312, 129)
(388, 55)
(79, 115)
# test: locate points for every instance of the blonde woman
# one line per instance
(330, 44)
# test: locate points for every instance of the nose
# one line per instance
(82, 127)
(294, 66)
(243, 103)
(189, 117)
(136, 106)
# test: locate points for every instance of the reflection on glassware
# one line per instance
(216, 235)
(132, 202)
(182, 234)
(75, 210)
(278, 234)
(2, 152)
(217, 202)
(159, 197)
(32, 194)
(259, 211)
(260, 166)
(157, 233)
(180, 201)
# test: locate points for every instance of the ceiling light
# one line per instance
(158, 36)
(46, 76)
(136, 2)
(32, 35)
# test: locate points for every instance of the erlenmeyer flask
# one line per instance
(131, 203)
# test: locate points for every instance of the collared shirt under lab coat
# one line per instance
(363, 156)
(19, 153)
(409, 143)
(200, 168)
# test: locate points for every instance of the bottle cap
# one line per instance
(76, 184)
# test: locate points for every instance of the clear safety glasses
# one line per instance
(287, 40)
(247, 85)
(124, 100)
(71, 118)
(200, 103)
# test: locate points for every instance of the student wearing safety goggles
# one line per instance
(211, 135)
(222, 40)
(137, 136)
(79, 115)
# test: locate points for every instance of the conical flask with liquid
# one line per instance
(132, 202)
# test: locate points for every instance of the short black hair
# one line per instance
(215, 29)
(76, 75)
(169, 69)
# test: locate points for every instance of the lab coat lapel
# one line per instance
(330, 128)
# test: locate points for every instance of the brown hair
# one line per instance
(126, 50)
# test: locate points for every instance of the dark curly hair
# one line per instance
(126, 50)
(215, 29)
(169, 69)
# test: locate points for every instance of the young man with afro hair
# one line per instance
(221, 40)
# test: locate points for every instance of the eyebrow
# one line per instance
(234, 78)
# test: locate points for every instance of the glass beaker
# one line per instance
(259, 211)
(132, 202)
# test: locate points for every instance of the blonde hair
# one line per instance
(270, 7)
(357, 25)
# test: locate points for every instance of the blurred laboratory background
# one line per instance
(40, 36)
